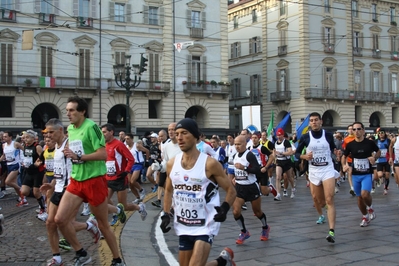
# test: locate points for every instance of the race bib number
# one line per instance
(383, 153)
(240, 174)
(320, 158)
(77, 147)
(361, 165)
(49, 165)
(111, 168)
(189, 210)
(10, 156)
(59, 169)
(28, 161)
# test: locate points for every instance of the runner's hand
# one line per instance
(165, 222)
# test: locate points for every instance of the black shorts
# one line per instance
(284, 164)
(384, 167)
(263, 179)
(187, 242)
(119, 184)
(35, 180)
(248, 192)
(56, 197)
(162, 179)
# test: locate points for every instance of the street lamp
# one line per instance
(127, 83)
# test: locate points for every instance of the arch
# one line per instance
(328, 22)
(120, 43)
(117, 116)
(375, 29)
(197, 49)
(199, 114)
(42, 113)
(282, 25)
(9, 35)
(46, 38)
(330, 118)
(376, 119)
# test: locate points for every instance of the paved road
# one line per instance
(295, 238)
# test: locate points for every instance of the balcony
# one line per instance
(197, 33)
(282, 50)
(145, 87)
(376, 53)
(46, 19)
(329, 48)
(280, 96)
(366, 96)
(84, 22)
(357, 51)
(209, 89)
(8, 15)
(394, 56)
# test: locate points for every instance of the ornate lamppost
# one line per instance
(128, 83)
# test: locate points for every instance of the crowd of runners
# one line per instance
(82, 165)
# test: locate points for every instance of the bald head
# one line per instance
(240, 142)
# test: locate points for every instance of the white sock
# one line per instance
(118, 210)
(57, 258)
(89, 225)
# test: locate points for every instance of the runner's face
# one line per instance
(350, 131)
(29, 139)
(263, 136)
(358, 130)
(185, 139)
(107, 134)
(74, 115)
(171, 131)
(315, 123)
(128, 140)
(240, 143)
(214, 143)
(255, 140)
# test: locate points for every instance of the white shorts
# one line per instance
(318, 177)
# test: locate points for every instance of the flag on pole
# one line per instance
(303, 128)
(271, 124)
(47, 82)
(284, 122)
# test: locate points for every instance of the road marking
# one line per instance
(163, 247)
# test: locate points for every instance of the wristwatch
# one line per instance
(79, 157)
(245, 168)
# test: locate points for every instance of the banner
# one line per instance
(251, 118)
(284, 122)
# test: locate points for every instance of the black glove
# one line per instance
(147, 164)
(122, 175)
(165, 222)
(222, 212)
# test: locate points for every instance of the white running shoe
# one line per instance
(142, 194)
(86, 210)
(42, 216)
(142, 211)
(365, 222)
(372, 214)
(136, 201)
(293, 193)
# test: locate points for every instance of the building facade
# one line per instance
(335, 57)
(75, 44)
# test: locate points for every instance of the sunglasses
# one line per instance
(357, 129)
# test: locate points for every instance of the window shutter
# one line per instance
(354, 79)
(361, 39)
(128, 15)
(75, 8)
(37, 6)
(189, 65)
(203, 20)
(250, 45)
(335, 85)
(278, 77)
(371, 81)
(3, 63)
(146, 18)
(333, 35)
(87, 65)
(157, 74)
(81, 66)
(43, 61)
(323, 35)
(362, 81)
(50, 62)
(238, 49)
(381, 88)
(390, 82)
(161, 16)
(9, 62)
(151, 67)
(287, 79)
(239, 87)
(188, 18)
(93, 8)
(324, 79)
(111, 11)
(203, 67)
(258, 44)
(251, 85)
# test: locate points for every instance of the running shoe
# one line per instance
(265, 234)
(81, 260)
(273, 190)
(94, 231)
(86, 210)
(23, 203)
(372, 191)
(244, 207)
(115, 220)
(43, 216)
(114, 263)
(365, 222)
(277, 198)
(136, 201)
(228, 255)
(156, 203)
(142, 211)
(63, 243)
(372, 214)
(385, 192)
(293, 193)
(53, 262)
(2, 231)
(155, 188)
(2, 194)
(242, 237)
(331, 237)
(321, 219)
(142, 194)
(122, 214)
(352, 192)
(378, 182)
(285, 194)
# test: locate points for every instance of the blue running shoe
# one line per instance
(242, 237)
(321, 220)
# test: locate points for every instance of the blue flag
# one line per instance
(284, 122)
(303, 128)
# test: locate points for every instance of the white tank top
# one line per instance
(12, 154)
(242, 176)
(396, 150)
(138, 155)
(194, 198)
(62, 168)
(281, 148)
(321, 154)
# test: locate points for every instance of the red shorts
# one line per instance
(94, 190)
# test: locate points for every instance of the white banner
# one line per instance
(251, 117)
(180, 45)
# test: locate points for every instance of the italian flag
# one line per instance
(47, 82)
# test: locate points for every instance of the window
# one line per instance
(7, 4)
(283, 7)
(375, 41)
(374, 12)
(235, 21)
(84, 67)
(254, 16)
(6, 58)
(254, 45)
(330, 79)
(282, 80)
(255, 85)
(327, 6)
(46, 61)
(376, 81)
(196, 68)
(394, 83)
(119, 12)
(355, 11)
(235, 50)
(328, 35)
(236, 85)
(356, 39)
(358, 80)
(154, 67)
(195, 19)
(84, 8)
(46, 7)
(120, 60)
(6, 104)
(7, 10)
(392, 14)
(394, 44)
(153, 15)
(153, 106)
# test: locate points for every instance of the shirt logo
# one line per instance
(186, 178)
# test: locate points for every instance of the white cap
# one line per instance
(154, 135)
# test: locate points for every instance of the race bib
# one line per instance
(77, 147)
(189, 210)
(383, 153)
(240, 174)
(320, 158)
(59, 169)
(10, 156)
(361, 165)
(49, 165)
(28, 161)
(111, 168)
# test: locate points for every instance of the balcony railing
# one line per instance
(209, 89)
(376, 53)
(357, 51)
(318, 93)
(280, 96)
(84, 22)
(329, 48)
(197, 33)
(144, 86)
(8, 15)
(45, 19)
(282, 50)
